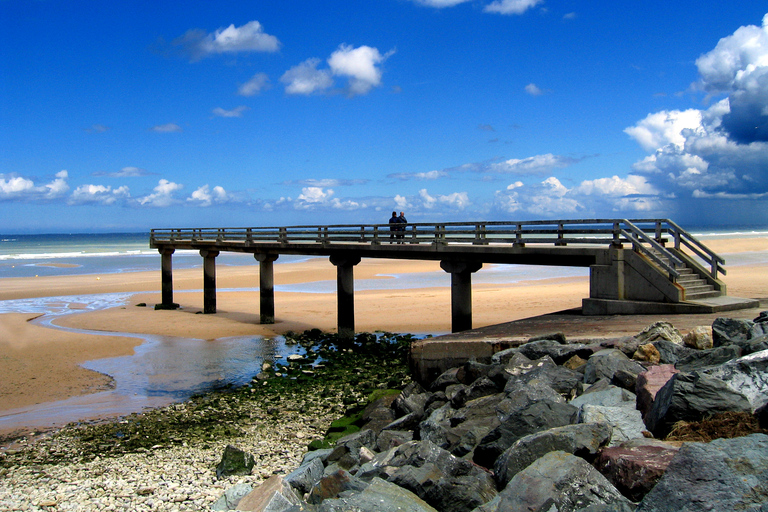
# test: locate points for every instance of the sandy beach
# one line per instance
(40, 364)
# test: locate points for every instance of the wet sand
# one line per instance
(42, 365)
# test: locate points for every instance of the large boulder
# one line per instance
(627, 422)
(273, 495)
(559, 352)
(380, 496)
(649, 383)
(711, 357)
(563, 380)
(748, 375)
(306, 476)
(659, 331)
(699, 337)
(583, 440)
(691, 397)
(635, 466)
(726, 331)
(535, 417)
(558, 481)
(724, 474)
(671, 353)
(605, 363)
(610, 396)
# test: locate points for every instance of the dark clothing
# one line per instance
(401, 228)
(394, 226)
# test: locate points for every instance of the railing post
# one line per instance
(375, 240)
(659, 238)
(560, 233)
(283, 236)
(519, 235)
(616, 235)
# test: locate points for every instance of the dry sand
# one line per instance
(40, 364)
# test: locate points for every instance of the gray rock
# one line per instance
(380, 496)
(671, 353)
(461, 493)
(483, 386)
(558, 482)
(710, 357)
(689, 397)
(726, 331)
(234, 461)
(558, 351)
(754, 344)
(391, 438)
(330, 486)
(445, 379)
(503, 357)
(306, 476)
(627, 423)
(410, 400)
(659, 331)
(471, 423)
(612, 396)
(605, 363)
(519, 394)
(535, 417)
(747, 375)
(230, 498)
(561, 379)
(725, 474)
(583, 440)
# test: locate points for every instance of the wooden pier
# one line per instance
(636, 266)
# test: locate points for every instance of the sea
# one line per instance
(165, 369)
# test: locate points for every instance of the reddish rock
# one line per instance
(635, 466)
(649, 383)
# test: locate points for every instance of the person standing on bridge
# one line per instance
(401, 228)
(394, 227)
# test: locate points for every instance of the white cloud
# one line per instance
(235, 112)
(327, 182)
(17, 187)
(359, 65)
(429, 175)
(247, 38)
(162, 194)
(533, 90)
(440, 3)
(312, 198)
(306, 79)
(166, 128)
(129, 172)
(98, 194)
(511, 6)
(454, 201)
(665, 127)
(615, 186)
(204, 196)
(257, 83)
(539, 164)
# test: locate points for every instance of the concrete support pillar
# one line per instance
(345, 294)
(209, 281)
(461, 292)
(266, 287)
(166, 272)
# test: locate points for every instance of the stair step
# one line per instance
(702, 295)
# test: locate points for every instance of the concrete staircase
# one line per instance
(695, 287)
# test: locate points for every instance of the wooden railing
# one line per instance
(647, 236)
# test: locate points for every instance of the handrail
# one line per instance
(647, 236)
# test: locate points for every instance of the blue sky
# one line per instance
(123, 116)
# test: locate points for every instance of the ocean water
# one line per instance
(168, 369)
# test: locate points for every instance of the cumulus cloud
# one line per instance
(538, 164)
(98, 194)
(162, 194)
(235, 112)
(720, 152)
(306, 79)
(166, 128)
(534, 90)
(205, 196)
(511, 6)
(429, 175)
(197, 44)
(312, 198)
(359, 65)
(454, 201)
(257, 83)
(20, 188)
(328, 182)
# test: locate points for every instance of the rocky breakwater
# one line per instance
(555, 426)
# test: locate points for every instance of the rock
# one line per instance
(234, 461)
(611, 396)
(471, 423)
(690, 397)
(647, 352)
(627, 423)
(559, 378)
(558, 482)
(754, 344)
(347, 450)
(558, 337)
(502, 357)
(659, 331)
(410, 400)
(635, 466)
(710, 357)
(671, 353)
(649, 383)
(231, 497)
(461, 493)
(379, 413)
(625, 380)
(724, 474)
(481, 387)
(575, 362)
(558, 351)
(380, 496)
(306, 476)
(273, 495)
(699, 338)
(583, 440)
(762, 317)
(445, 379)
(330, 486)
(605, 363)
(747, 375)
(391, 438)
(726, 331)
(535, 417)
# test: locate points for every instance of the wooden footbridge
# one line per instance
(636, 266)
